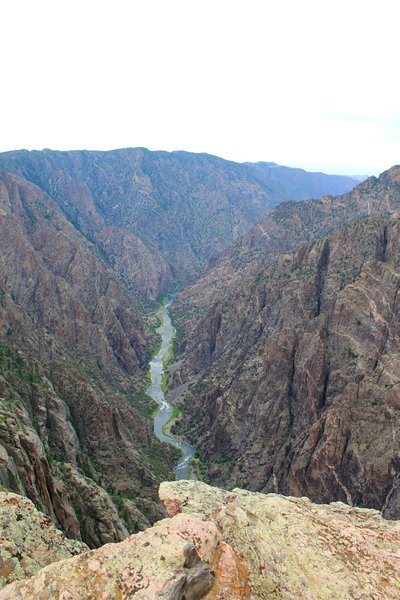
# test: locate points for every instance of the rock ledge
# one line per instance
(234, 545)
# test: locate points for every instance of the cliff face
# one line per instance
(158, 217)
(232, 545)
(59, 280)
(282, 230)
(295, 374)
(75, 436)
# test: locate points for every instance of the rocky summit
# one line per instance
(215, 545)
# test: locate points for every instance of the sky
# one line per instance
(303, 83)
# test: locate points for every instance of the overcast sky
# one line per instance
(305, 83)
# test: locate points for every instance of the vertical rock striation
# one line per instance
(296, 391)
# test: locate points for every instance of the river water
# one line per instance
(182, 469)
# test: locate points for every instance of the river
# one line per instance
(182, 469)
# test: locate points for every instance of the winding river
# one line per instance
(182, 469)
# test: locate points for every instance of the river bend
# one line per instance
(182, 469)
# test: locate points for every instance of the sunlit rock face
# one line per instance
(235, 545)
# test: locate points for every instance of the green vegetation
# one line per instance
(81, 521)
(176, 340)
(143, 403)
(168, 358)
(177, 428)
(153, 323)
(13, 364)
(225, 461)
(200, 466)
(176, 414)
(150, 311)
(52, 457)
(157, 463)
(119, 502)
(164, 378)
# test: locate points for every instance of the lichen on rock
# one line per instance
(234, 545)
(28, 540)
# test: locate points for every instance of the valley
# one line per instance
(283, 375)
(165, 411)
(200, 301)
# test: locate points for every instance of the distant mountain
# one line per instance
(289, 365)
(159, 217)
(301, 185)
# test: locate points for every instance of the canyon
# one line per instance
(88, 240)
(283, 370)
(74, 428)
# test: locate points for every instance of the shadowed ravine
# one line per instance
(164, 413)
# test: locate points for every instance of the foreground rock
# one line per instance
(234, 545)
(28, 540)
(281, 547)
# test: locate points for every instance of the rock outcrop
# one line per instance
(234, 545)
(295, 367)
(28, 540)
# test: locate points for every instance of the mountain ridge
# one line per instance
(171, 212)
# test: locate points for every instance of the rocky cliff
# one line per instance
(295, 372)
(158, 217)
(285, 227)
(218, 545)
(75, 436)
